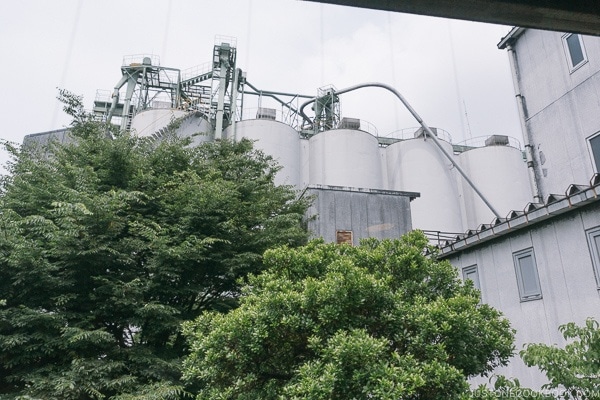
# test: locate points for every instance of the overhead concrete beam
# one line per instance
(582, 16)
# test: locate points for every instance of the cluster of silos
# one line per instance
(448, 202)
(351, 157)
(354, 158)
(337, 157)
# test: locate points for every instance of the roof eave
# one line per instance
(511, 37)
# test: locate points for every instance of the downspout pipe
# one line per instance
(234, 96)
(425, 127)
(522, 119)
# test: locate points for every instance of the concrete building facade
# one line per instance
(541, 264)
(557, 84)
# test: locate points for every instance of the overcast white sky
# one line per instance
(450, 71)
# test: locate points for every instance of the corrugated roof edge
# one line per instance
(412, 195)
(575, 196)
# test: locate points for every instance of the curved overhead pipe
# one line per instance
(425, 127)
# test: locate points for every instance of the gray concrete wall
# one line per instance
(566, 274)
(43, 139)
(367, 213)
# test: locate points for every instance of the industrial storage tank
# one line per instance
(345, 157)
(196, 126)
(496, 166)
(417, 165)
(153, 122)
(276, 139)
(149, 122)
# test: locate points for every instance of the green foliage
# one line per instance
(380, 320)
(574, 372)
(106, 246)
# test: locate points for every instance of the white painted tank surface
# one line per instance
(276, 139)
(149, 122)
(196, 126)
(500, 173)
(345, 157)
(417, 165)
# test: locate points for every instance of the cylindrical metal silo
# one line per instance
(196, 126)
(153, 122)
(149, 122)
(276, 139)
(500, 174)
(417, 165)
(345, 157)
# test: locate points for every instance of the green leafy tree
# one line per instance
(381, 320)
(573, 371)
(107, 245)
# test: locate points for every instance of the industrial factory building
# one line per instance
(497, 209)
(452, 186)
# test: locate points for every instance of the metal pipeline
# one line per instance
(283, 103)
(234, 95)
(115, 97)
(425, 127)
(522, 115)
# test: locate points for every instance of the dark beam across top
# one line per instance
(582, 16)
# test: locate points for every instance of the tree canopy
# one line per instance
(573, 371)
(381, 320)
(107, 245)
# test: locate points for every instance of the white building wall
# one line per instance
(567, 280)
(561, 107)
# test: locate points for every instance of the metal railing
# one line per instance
(231, 40)
(196, 70)
(270, 114)
(440, 238)
(412, 133)
(490, 140)
(362, 125)
(293, 119)
(139, 58)
(103, 95)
